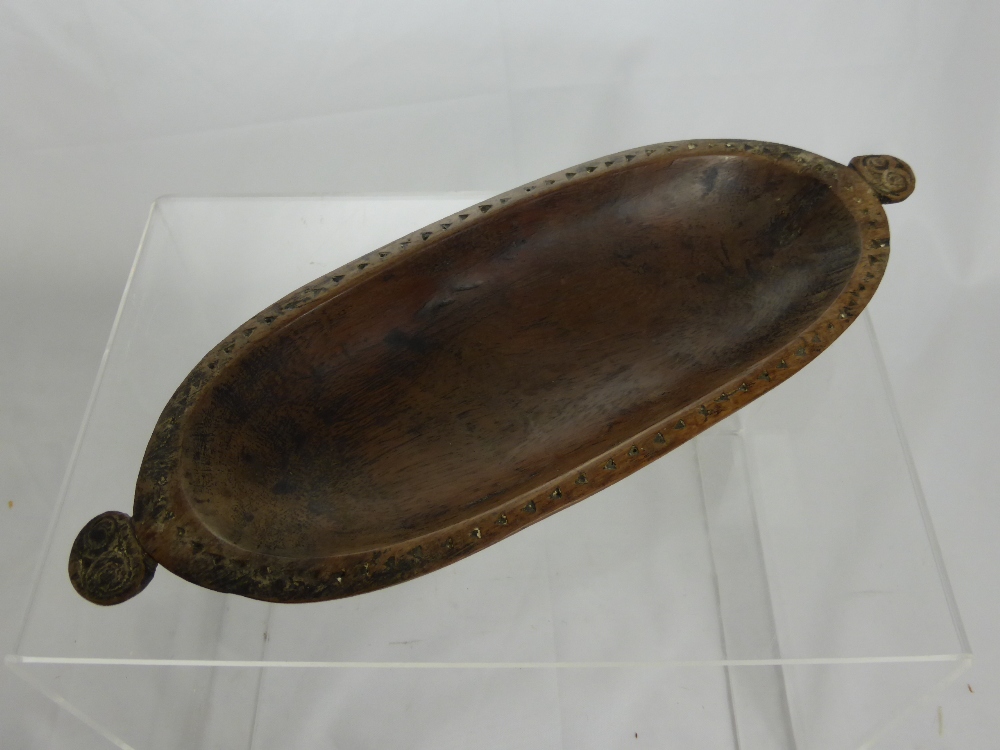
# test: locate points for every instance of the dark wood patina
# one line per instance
(488, 370)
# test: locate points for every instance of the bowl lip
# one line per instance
(173, 533)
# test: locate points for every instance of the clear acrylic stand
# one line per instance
(773, 584)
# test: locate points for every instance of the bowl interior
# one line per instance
(499, 358)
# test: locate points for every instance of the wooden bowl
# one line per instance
(488, 370)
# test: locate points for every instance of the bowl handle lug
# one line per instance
(890, 178)
(107, 565)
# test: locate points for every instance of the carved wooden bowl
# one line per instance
(488, 370)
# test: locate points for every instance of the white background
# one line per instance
(105, 105)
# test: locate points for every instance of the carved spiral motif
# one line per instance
(107, 565)
(890, 178)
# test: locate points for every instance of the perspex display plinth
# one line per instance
(773, 584)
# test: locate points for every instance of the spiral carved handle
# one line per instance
(107, 565)
(890, 178)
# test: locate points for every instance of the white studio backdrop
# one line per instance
(106, 105)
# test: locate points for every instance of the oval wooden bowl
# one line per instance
(488, 370)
